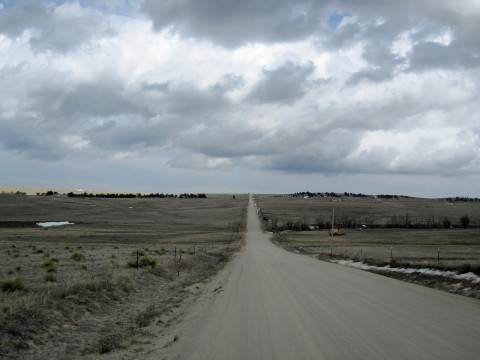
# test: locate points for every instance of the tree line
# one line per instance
(462, 199)
(351, 221)
(137, 195)
(126, 195)
(345, 194)
(379, 196)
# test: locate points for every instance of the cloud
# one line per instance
(162, 87)
(285, 84)
(431, 55)
(227, 83)
(59, 28)
(234, 24)
(296, 89)
(125, 134)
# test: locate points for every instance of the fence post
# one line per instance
(137, 259)
(438, 255)
(175, 252)
(193, 249)
(391, 253)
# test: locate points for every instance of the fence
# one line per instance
(405, 253)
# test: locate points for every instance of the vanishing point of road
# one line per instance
(274, 304)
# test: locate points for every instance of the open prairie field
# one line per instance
(357, 211)
(419, 234)
(406, 232)
(137, 220)
(112, 277)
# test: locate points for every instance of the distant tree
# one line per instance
(465, 220)
(447, 223)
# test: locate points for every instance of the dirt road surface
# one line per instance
(272, 304)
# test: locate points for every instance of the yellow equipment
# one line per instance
(336, 231)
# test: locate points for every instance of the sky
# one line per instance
(265, 96)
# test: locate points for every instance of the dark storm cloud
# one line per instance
(102, 98)
(374, 24)
(25, 14)
(59, 28)
(131, 133)
(431, 55)
(285, 84)
(227, 140)
(233, 23)
(23, 137)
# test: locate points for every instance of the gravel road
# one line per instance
(273, 304)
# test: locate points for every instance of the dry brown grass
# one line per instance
(79, 295)
(455, 245)
(367, 210)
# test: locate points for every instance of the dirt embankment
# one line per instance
(120, 310)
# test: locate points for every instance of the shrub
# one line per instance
(144, 261)
(109, 343)
(132, 263)
(146, 317)
(147, 261)
(162, 251)
(50, 277)
(50, 263)
(12, 284)
(78, 256)
(140, 253)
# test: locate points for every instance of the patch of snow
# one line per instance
(53, 223)
(425, 271)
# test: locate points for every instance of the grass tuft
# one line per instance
(12, 284)
(78, 256)
(144, 261)
(50, 277)
(146, 317)
(109, 343)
